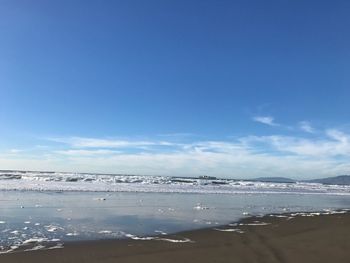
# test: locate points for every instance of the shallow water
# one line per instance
(31, 218)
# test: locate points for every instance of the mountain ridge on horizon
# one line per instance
(337, 180)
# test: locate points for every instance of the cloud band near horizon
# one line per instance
(243, 157)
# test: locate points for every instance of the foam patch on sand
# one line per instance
(38, 247)
(35, 240)
(32, 244)
(237, 230)
(255, 224)
(185, 240)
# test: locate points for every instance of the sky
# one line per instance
(235, 89)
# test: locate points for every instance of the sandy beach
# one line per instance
(324, 238)
(174, 131)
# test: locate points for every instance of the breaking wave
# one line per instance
(56, 181)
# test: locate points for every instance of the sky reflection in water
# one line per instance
(83, 215)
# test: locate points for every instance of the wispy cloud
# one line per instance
(87, 152)
(306, 127)
(81, 142)
(177, 134)
(324, 154)
(267, 120)
(15, 151)
(336, 143)
(12, 152)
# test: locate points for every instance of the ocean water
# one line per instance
(45, 210)
(53, 181)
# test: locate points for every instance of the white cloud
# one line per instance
(14, 151)
(234, 163)
(244, 157)
(267, 120)
(87, 152)
(335, 144)
(338, 136)
(306, 127)
(177, 134)
(81, 142)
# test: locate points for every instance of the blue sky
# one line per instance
(225, 88)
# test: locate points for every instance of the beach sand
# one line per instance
(324, 238)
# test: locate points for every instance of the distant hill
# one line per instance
(340, 180)
(274, 180)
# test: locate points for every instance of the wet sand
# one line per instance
(324, 238)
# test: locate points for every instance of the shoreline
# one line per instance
(288, 237)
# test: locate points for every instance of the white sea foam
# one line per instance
(255, 224)
(105, 232)
(160, 232)
(200, 207)
(280, 216)
(72, 234)
(38, 247)
(39, 181)
(31, 244)
(58, 246)
(139, 238)
(229, 230)
(185, 240)
(35, 240)
(52, 228)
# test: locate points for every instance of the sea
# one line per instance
(45, 210)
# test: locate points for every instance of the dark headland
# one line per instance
(336, 180)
